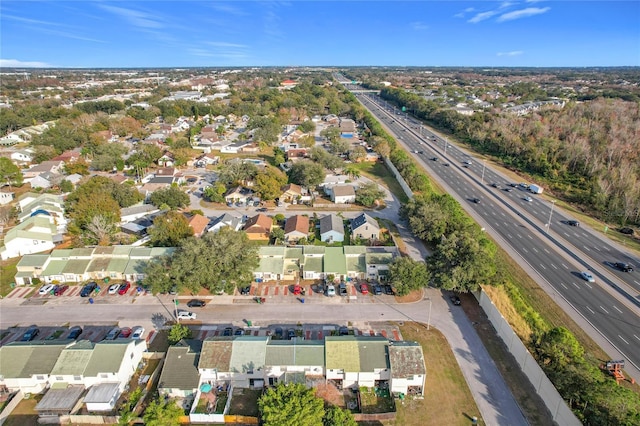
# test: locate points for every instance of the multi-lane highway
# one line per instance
(540, 238)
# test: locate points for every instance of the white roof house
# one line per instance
(34, 235)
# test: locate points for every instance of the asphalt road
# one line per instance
(609, 306)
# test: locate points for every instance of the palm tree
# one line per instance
(352, 172)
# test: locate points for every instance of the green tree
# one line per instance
(558, 348)
(169, 230)
(43, 153)
(9, 172)
(171, 196)
(218, 261)
(178, 332)
(307, 126)
(79, 166)
(407, 274)
(66, 186)
(339, 146)
(357, 154)
(162, 413)
(236, 172)
(291, 404)
(144, 156)
(368, 194)
(332, 134)
(215, 192)
(462, 261)
(307, 174)
(336, 416)
(326, 159)
(277, 235)
(352, 171)
(267, 183)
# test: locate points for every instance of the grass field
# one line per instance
(7, 272)
(379, 173)
(447, 398)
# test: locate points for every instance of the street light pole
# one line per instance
(553, 203)
(429, 316)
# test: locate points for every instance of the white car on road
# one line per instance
(114, 288)
(587, 276)
(137, 333)
(184, 315)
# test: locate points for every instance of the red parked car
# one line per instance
(364, 289)
(125, 332)
(59, 291)
(124, 288)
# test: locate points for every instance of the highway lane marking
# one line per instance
(622, 338)
(530, 237)
(565, 234)
(525, 250)
(604, 309)
(590, 309)
(554, 266)
(542, 266)
(565, 287)
(534, 249)
(596, 247)
(636, 282)
(519, 236)
(617, 309)
(545, 250)
(576, 285)
(509, 235)
(636, 337)
(564, 266)
(588, 285)
(586, 248)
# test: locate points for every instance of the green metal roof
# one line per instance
(293, 253)
(135, 266)
(274, 265)
(271, 251)
(162, 251)
(103, 250)
(100, 264)
(76, 266)
(248, 353)
(60, 253)
(354, 250)
(121, 250)
(313, 264)
(356, 353)
(356, 264)
(140, 252)
(33, 260)
(73, 361)
(118, 264)
(313, 249)
(25, 359)
(107, 357)
(82, 252)
(335, 260)
(55, 267)
(303, 353)
(379, 258)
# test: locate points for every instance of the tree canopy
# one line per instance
(291, 404)
(162, 413)
(219, 261)
(368, 194)
(171, 196)
(307, 173)
(407, 274)
(169, 230)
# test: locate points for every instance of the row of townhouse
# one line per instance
(41, 225)
(318, 262)
(192, 368)
(96, 372)
(90, 263)
(276, 263)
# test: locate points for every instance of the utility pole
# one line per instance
(553, 203)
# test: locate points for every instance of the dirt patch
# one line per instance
(331, 394)
(414, 296)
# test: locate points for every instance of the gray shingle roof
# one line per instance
(180, 369)
(331, 223)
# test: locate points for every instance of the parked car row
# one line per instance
(125, 333)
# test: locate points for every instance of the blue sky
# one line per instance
(77, 33)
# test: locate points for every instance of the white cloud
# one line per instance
(505, 4)
(419, 26)
(227, 8)
(15, 63)
(523, 13)
(225, 44)
(482, 16)
(461, 14)
(512, 53)
(139, 19)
